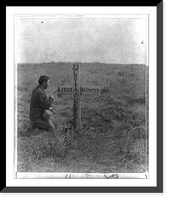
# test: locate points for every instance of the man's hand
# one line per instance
(51, 109)
(51, 97)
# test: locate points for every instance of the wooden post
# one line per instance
(79, 127)
(76, 103)
(77, 91)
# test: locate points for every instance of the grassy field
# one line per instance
(115, 135)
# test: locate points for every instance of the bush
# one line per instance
(140, 100)
(133, 144)
(104, 90)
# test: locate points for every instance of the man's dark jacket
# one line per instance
(39, 103)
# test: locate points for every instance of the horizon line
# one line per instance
(52, 62)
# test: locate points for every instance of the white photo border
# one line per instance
(11, 181)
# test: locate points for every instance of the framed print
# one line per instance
(84, 99)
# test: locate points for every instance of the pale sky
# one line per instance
(106, 40)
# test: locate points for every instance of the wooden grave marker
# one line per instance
(78, 92)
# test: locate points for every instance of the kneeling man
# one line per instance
(40, 106)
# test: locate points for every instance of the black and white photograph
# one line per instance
(81, 94)
(84, 101)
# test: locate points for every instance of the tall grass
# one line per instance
(114, 137)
